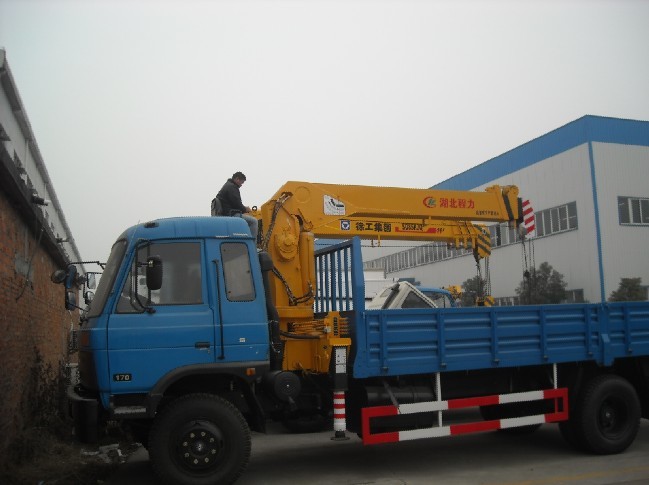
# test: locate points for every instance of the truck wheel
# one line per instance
(608, 415)
(570, 433)
(199, 439)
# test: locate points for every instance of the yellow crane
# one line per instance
(301, 211)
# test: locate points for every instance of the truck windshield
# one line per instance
(107, 278)
(441, 300)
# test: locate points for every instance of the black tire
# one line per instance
(608, 415)
(199, 439)
(570, 433)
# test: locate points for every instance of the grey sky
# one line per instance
(142, 109)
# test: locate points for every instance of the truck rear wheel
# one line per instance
(571, 434)
(199, 439)
(608, 416)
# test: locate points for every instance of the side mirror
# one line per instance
(154, 273)
(88, 296)
(70, 300)
(91, 282)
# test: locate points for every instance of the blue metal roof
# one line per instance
(583, 130)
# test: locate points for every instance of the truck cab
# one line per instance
(205, 318)
(441, 297)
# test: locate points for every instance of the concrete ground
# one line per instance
(541, 458)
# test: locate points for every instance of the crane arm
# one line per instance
(319, 203)
(300, 211)
(329, 210)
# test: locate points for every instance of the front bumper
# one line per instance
(85, 413)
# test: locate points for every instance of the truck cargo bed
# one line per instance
(423, 341)
(420, 341)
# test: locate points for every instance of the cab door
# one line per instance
(151, 333)
(239, 302)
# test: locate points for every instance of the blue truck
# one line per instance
(180, 343)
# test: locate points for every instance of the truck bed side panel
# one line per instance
(421, 341)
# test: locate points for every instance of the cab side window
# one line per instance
(414, 301)
(181, 279)
(236, 272)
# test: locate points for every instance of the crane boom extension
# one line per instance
(329, 210)
(300, 211)
(496, 203)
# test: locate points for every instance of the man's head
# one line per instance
(239, 178)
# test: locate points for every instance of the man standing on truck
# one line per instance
(231, 204)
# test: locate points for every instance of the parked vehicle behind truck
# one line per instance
(403, 294)
(196, 336)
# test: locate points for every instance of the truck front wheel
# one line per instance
(199, 439)
(608, 415)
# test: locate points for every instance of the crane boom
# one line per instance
(320, 202)
(329, 210)
(301, 211)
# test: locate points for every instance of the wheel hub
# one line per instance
(612, 416)
(200, 445)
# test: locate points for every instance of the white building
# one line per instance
(588, 183)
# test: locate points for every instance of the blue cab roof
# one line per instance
(189, 227)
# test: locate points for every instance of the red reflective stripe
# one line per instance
(373, 412)
(472, 402)
(552, 393)
(528, 216)
(476, 427)
(560, 396)
(376, 411)
(380, 438)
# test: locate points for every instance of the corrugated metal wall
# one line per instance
(621, 170)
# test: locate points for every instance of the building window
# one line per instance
(633, 210)
(557, 219)
(549, 221)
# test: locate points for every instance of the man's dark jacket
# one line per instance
(230, 198)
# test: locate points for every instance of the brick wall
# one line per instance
(33, 321)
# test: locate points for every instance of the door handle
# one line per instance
(202, 345)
